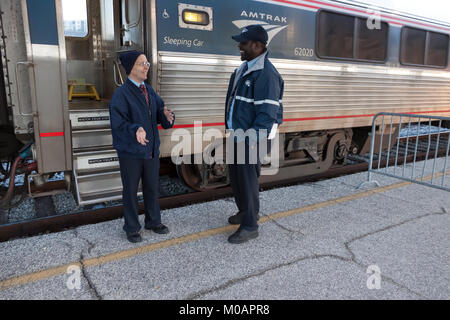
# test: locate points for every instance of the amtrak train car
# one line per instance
(342, 62)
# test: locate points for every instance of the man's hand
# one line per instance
(169, 115)
(140, 136)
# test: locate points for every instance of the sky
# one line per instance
(435, 9)
(74, 9)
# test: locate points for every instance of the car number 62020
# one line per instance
(304, 52)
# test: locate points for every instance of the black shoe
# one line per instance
(237, 218)
(134, 237)
(160, 229)
(242, 235)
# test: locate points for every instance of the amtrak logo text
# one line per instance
(263, 16)
(247, 19)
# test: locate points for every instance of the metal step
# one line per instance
(89, 139)
(89, 119)
(90, 129)
(99, 187)
(95, 162)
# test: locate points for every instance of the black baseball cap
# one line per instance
(253, 32)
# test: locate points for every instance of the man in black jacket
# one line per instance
(135, 112)
(254, 106)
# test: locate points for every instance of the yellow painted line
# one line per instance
(51, 272)
(36, 276)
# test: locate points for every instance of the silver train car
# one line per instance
(342, 63)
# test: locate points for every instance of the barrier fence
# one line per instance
(404, 137)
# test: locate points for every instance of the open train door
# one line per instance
(114, 26)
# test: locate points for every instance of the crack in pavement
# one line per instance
(90, 244)
(353, 256)
(91, 284)
(282, 226)
(347, 244)
(232, 282)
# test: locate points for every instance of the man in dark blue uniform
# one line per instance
(136, 110)
(254, 106)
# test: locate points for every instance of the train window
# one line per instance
(335, 35)
(346, 37)
(423, 48)
(131, 9)
(371, 44)
(437, 49)
(413, 46)
(75, 18)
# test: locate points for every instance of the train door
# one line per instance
(94, 39)
(96, 31)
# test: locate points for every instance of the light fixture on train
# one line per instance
(195, 17)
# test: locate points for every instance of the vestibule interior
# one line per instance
(95, 31)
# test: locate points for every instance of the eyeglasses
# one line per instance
(146, 63)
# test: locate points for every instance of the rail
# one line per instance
(416, 128)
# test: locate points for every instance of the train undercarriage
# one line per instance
(299, 154)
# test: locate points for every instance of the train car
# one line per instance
(342, 63)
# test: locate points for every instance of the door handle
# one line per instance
(24, 63)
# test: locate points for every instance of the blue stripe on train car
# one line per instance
(289, 28)
(42, 21)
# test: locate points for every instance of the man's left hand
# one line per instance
(169, 115)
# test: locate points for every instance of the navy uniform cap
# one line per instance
(128, 59)
(254, 33)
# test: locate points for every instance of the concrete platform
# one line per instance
(317, 241)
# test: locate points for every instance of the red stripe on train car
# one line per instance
(304, 119)
(297, 4)
(382, 15)
(390, 17)
(185, 126)
(328, 118)
(52, 134)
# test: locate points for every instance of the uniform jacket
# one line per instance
(258, 102)
(128, 112)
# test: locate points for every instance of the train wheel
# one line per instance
(201, 177)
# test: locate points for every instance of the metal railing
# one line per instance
(404, 137)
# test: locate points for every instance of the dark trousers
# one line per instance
(132, 171)
(245, 185)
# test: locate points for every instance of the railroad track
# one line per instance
(357, 164)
